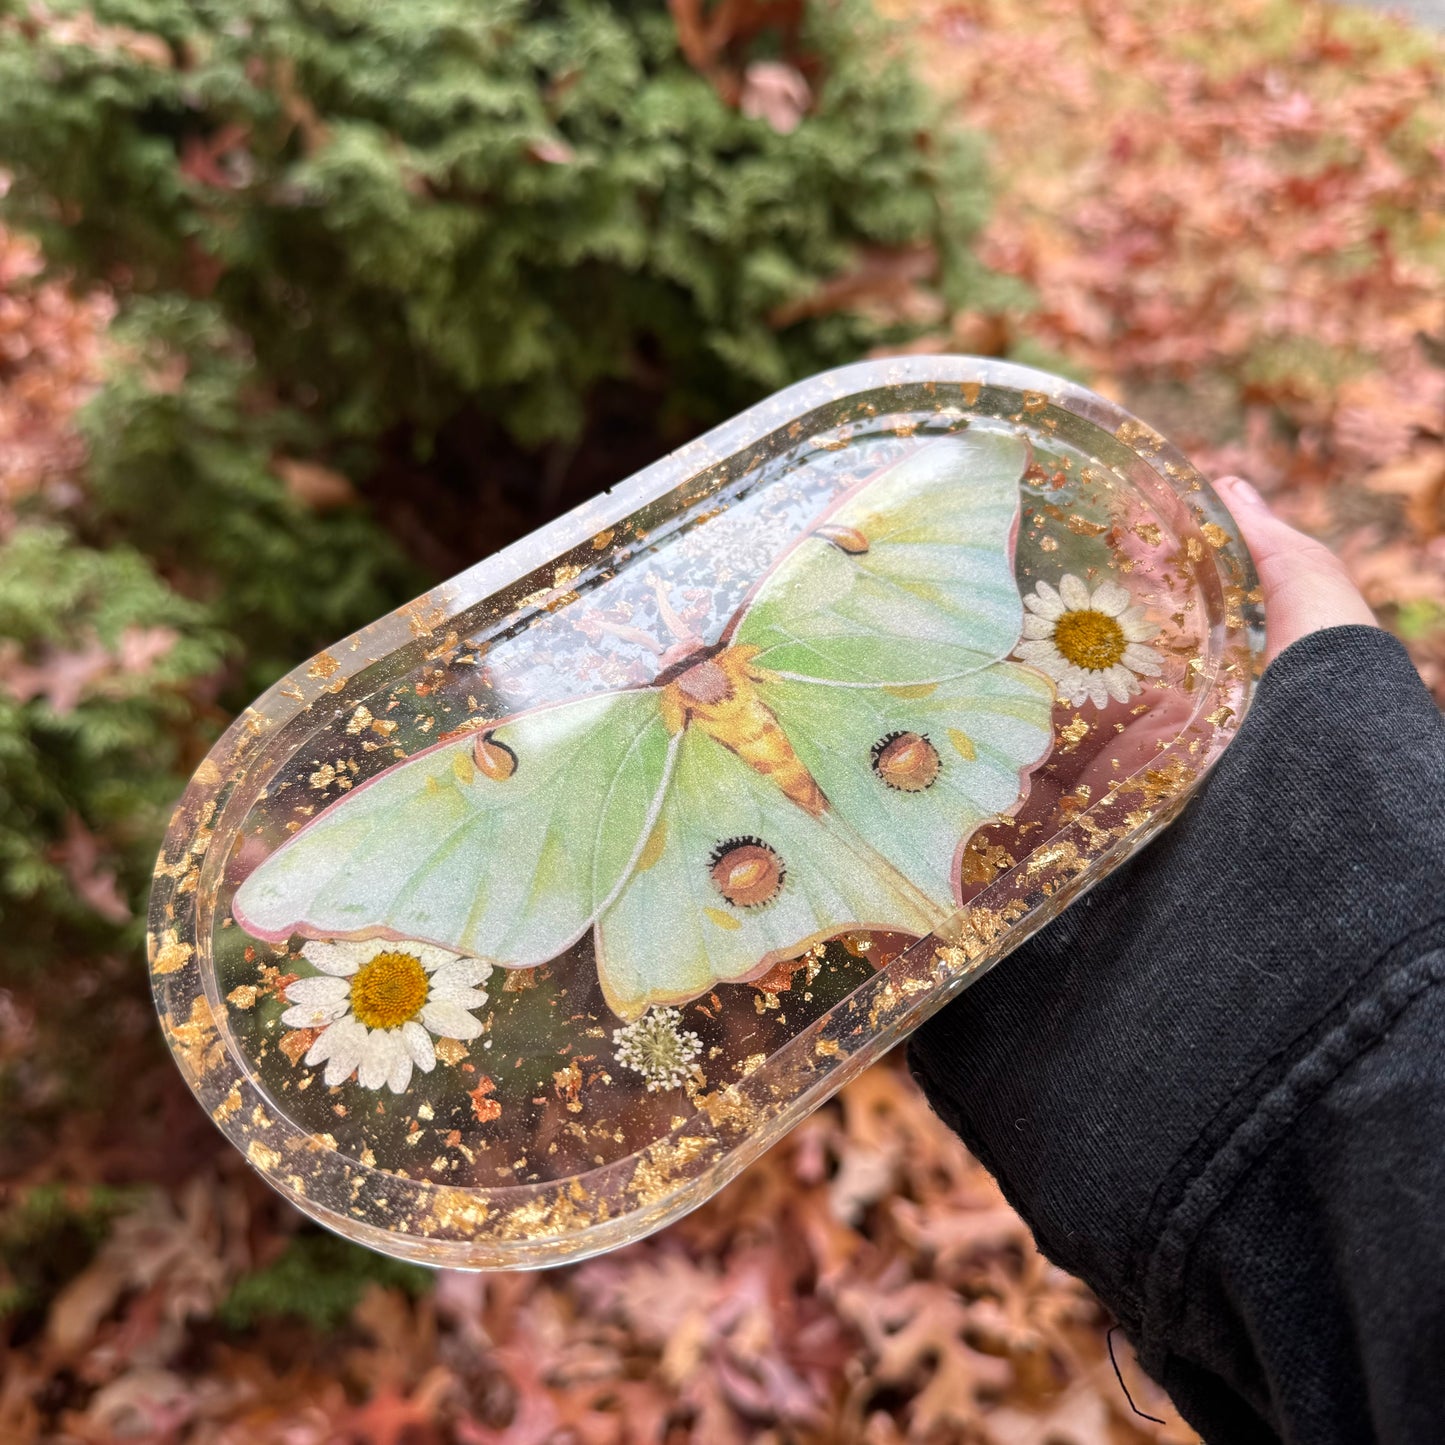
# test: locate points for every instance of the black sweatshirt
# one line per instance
(1215, 1086)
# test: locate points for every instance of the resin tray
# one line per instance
(514, 925)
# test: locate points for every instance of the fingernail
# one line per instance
(1240, 488)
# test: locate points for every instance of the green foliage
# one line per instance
(319, 1278)
(98, 657)
(182, 464)
(47, 1236)
(409, 209)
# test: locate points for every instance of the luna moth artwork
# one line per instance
(516, 924)
(820, 766)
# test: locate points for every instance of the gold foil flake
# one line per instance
(450, 1051)
(1035, 401)
(1220, 715)
(195, 1043)
(1215, 535)
(208, 774)
(243, 996)
(323, 777)
(296, 1044)
(1193, 549)
(561, 576)
(170, 955)
(323, 665)
(1073, 733)
(827, 1048)
(547, 1217)
(263, 1156)
(750, 1065)
(665, 1164)
(887, 1000)
(567, 1084)
(485, 1108)
(1148, 533)
(229, 1105)
(603, 539)
(983, 861)
(1048, 544)
(1082, 527)
(974, 935)
(360, 720)
(970, 390)
(423, 624)
(1142, 438)
(293, 692)
(729, 1108)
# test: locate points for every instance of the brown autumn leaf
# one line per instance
(318, 487)
(775, 93)
(83, 857)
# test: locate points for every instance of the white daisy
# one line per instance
(1092, 645)
(374, 1003)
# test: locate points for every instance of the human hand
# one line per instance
(1306, 588)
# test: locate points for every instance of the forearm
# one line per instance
(1185, 1082)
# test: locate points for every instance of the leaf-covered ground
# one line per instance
(1229, 213)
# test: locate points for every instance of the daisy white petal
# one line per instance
(1110, 599)
(314, 1015)
(376, 1057)
(1036, 627)
(1143, 660)
(341, 1047)
(319, 989)
(1046, 601)
(1074, 593)
(1120, 683)
(460, 973)
(1136, 625)
(1043, 655)
(419, 1046)
(337, 958)
(429, 955)
(400, 1074)
(462, 997)
(449, 1021)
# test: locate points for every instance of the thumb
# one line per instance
(1305, 585)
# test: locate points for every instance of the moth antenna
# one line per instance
(630, 634)
(670, 619)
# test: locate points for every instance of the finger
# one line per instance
(1306, 587)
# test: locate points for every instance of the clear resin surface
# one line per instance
(515, 924)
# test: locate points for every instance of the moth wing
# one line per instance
(671, 933)
(986, 730)
(909, 579)
(510, 868)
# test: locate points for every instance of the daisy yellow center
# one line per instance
(1091, 640)
(389, 990)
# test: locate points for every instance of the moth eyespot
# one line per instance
(747, 872)
(494, 759)
(907, 762)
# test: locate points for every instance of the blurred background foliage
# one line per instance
(307, 303)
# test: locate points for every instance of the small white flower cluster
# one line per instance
(655, 1047)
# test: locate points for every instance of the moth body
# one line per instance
(720, 696)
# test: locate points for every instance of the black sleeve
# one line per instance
(1215, 1086)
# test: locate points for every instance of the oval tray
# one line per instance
(517, 923)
